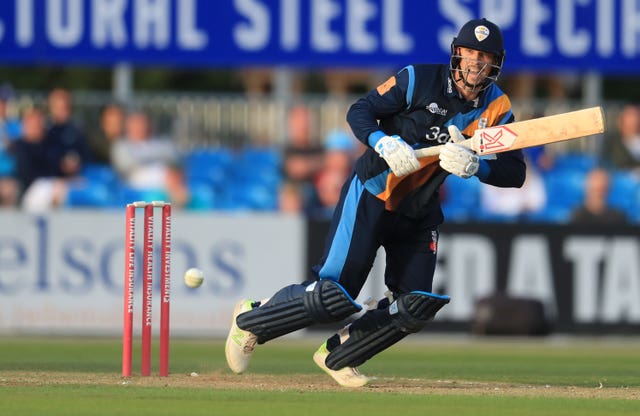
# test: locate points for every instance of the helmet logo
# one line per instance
(481, 32)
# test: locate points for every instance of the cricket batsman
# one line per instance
(391, 200)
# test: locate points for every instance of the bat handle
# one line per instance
(435, 150)
(429, 151)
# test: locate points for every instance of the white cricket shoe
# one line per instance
(346, 377)
(240, 343)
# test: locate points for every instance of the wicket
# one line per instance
(147, 286)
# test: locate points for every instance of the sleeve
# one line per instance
(507, 170)
(388, 99)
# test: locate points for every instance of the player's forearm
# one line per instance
(362, 121)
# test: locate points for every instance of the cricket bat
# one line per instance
(529, 133)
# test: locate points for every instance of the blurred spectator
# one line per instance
(595, 208)
(111, 129)
(623, 151)
(515, 203)
(65, 140)
(290, 199)
(141, 159)
(36, 166)
(30, 152)
(9, 192)
(340, 152)
(302, 156)
(9, 126)
(10, 130)
(339, 158)
(178, 191)
(328, 185)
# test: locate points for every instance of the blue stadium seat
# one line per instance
(462, 191)
(89, 194)
(565, 188)
(258, 165)
(461, 198)
(96, 188)
(210, 165)
(456, 213)
(553, 214)
(575, 162)
(100, 173)
(254, 196)
(624, 192)
(261, 156)
(484, 216)
(203, 196)
(7, 164)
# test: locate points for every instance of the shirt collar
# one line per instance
(451, 91)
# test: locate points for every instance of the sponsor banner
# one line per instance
(540, 35)
(64, 272)
(588, 278)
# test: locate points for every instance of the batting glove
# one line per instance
(457, 159)
(400, 157)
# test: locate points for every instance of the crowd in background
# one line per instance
(49, 160)
(46, 151)
(46, 155)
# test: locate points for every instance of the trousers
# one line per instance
(360, 226)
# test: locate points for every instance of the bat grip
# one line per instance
(435, 150)
(429, 151)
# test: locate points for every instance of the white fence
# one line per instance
(232, 120)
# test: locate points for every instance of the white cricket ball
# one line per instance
(193, 277)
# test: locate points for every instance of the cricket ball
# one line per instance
(193, 277)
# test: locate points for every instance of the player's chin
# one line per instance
(475, 81)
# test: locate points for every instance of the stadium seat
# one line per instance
(99, 173)
(624, 192)
(210, 165)
(462, 191)
(461, 198)
(565, 188)
(89, 194)
(456, 213)
(484, 216)
(258, 165)
(7, 164)
(261, 156)
(551, 214)
(203, 196)
(575, 162)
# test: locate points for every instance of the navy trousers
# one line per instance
(360, 225)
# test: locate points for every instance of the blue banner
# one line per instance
(540, 35)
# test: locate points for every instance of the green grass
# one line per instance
(88, 400)
(66, 368)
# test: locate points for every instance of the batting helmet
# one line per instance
(481, 35)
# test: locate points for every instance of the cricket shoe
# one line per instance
(346, 377)
(240, 343)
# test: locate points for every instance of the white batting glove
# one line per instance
(457, 159)
(400, 157)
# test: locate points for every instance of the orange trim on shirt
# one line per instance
(395, 186)
(494, 112)
(386, 86)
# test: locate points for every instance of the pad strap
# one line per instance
(297, 306)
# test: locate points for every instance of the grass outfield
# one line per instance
(434, 375)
